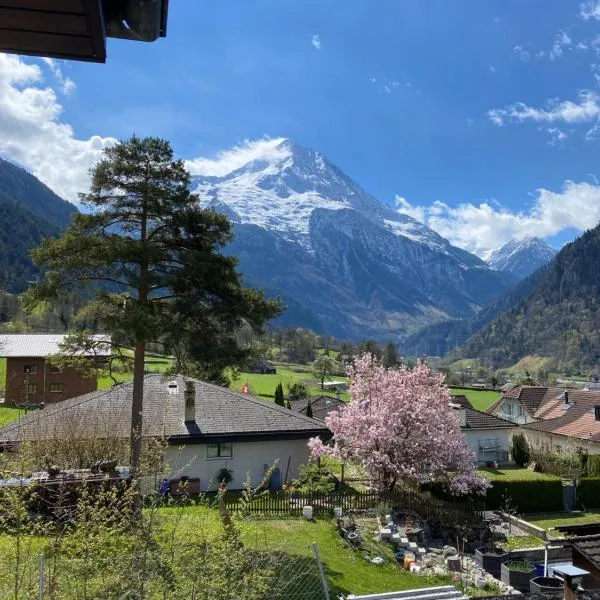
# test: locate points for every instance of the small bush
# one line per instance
(313, 479)
(225, 475)
(520, 450)
(593, 466)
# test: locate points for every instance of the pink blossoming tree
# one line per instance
(399, 426)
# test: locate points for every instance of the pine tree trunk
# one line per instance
(137, 423)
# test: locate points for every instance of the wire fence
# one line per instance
(201, 572)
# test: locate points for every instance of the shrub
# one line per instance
(588, 492)
(313, 478)
(297, 391)
(526, 496)
(520, 450)
(593, 466)
(225, 475)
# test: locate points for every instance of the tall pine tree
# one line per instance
(156, 256)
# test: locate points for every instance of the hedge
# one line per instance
(588, 492)
(529, 496)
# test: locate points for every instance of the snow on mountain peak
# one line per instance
(277, 185)
(521, 257)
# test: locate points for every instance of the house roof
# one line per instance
(16, 345)
(220, 413)
(530, 397)
(589, 546)
(575, 418)
(461, 400)
(321, 405)
(480, 420)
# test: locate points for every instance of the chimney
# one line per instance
(190, 402)
(566, 397)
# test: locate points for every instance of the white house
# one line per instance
(488, 436)
(205, 427)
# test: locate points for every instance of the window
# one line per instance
(508, 409)
(219, 451)
(55, 369)
(30, 369)
(521, 410)
(32, 388)
(56, 387)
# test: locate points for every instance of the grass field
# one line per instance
(9, 414)
(548, 520)
(264, 385)
(347, 571)
(155, 363)
(514, 474)
(2, 373)
(480, 399)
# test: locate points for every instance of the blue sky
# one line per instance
(471, 115)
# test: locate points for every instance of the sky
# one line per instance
(478, 118)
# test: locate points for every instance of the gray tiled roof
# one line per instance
(480, 420)
(17, 345)
(321, 405)
(219, 412)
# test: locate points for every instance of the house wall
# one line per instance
(247, 457)
(473, 438)
(591, 581)
(513, 410)
(559, 443)
(17, 382)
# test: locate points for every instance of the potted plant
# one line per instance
(490, 559)
(224, 476)
(545, 585)
(517, 574)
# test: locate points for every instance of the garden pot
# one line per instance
(517, 574)
(545, 585)
(490, 561)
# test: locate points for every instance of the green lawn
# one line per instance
(347, 570)
(514, 474)
(480, 399)
(516, 542)
(154, 364)
(264, 385)
(548, 520)
(2, 373)
(9, 414)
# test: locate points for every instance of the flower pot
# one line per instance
(545, 585)
(517, 574)
(490, 560)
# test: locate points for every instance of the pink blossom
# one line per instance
(399, 427)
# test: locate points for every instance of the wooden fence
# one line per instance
(291, 504)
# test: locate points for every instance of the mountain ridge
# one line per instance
(356, 265)
(521, 257)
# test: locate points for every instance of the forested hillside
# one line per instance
(20, 231)
(29, 212)
(560, 319)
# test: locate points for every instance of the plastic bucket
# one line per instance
(307, 513)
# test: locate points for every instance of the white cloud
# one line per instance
(492, 68)
(590, 10)
(522, 53)
(67, 85)
(557, 136)
(586, 109)
(316, 41)
(416, 212)
(229, 160)
(32, 133)
(480, 228)
(387, 86)
(562, 41)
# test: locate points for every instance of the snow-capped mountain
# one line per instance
(522, 257)
(344, 262)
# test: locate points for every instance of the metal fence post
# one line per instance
(41, 575)
(315, 548)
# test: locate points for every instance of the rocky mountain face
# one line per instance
(343, 262)
(522, 257)
(29, 212)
